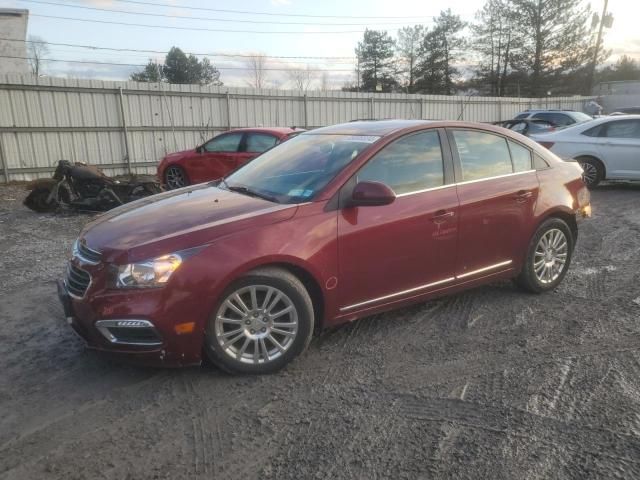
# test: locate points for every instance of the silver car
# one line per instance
(607, 148)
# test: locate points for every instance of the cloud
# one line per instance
(280, 3)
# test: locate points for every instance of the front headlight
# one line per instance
(151, 273)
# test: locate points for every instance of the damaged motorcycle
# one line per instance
(83, 187)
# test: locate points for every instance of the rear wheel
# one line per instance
(38, 201)
(593, 171)
(263, 321)
(175, 177)
(548, 257)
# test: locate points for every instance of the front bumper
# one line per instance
(125, 335)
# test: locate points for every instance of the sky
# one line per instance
(345, 20)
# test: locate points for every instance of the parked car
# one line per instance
(220, 155)
(559, 118)
(527, 127)
(607, 148)
(626, 111)
(335, 224)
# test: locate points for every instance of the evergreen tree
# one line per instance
(376, 61)
(179, 68)
(555, 40)
(441, 49)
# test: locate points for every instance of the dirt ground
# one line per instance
(492, 383)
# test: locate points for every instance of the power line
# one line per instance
(210, 19)
(248, 12)
(173, 27)
(144, 65)
(164, 52)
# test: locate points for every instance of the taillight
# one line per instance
(547, 145)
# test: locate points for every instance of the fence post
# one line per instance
(3, 160)
(228, 97)
(306, 112)
(461, 117)
(421, 108)
(371, 109)
(499, 109)
(124, 130)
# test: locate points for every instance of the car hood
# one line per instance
(177, 220)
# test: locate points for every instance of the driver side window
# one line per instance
(224, 143)
(409, 164)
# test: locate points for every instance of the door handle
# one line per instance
(442, 216)
(523, 195)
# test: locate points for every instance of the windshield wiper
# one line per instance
(251, 193)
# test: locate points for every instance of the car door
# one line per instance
(498, 189)
(408, 247)
(254, 144)
(217, 157)
(619, 147)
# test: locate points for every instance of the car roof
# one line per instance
(369, 127)
(280, 131)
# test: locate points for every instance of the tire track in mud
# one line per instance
(508, 421)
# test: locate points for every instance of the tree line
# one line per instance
(512, 48)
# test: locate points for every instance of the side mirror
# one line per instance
(199, 149)
(370, 194)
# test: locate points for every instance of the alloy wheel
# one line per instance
(590, 173)
(256, 324)
(175, 178)
(550, 256)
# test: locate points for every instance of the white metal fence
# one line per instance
(128, 127)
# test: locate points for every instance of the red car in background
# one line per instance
(220, 155)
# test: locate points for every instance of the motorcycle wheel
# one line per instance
(37, 201)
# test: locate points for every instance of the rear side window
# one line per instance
(539, 163)
(521, 116)
(623, 129)
(482, 155)
(259, 142)
(409, 164)
(520, 156)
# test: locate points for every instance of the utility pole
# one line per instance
(596, 51)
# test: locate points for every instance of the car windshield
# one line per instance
(297, 169)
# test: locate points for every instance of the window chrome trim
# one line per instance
(428, 285)
(493, 178)
(404, 292)
(484, 269)
(425, 190)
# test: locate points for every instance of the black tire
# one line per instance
(37, 201)
(593, 171)
(294, 291)
(175, 177)
(528, 280)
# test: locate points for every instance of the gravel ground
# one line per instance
(492, 383)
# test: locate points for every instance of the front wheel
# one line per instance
(263, 321)
(548, 257)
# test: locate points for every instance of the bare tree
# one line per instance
(256, 66)
(324, 81)
(301, 78)
(37, 50)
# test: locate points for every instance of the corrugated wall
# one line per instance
(43, 120)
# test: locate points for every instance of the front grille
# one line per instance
(86, 254)
(77, 281)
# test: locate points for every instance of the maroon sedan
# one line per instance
(219, 156)
(335, 224)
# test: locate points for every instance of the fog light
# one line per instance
(182, 328)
